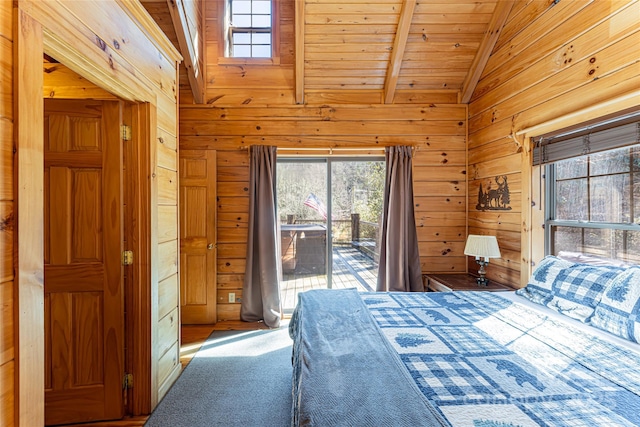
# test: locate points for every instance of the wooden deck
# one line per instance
(351, 269)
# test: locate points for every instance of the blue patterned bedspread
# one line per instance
(485, 361)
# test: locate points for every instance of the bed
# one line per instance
(561, 352)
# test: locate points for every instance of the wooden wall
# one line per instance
(437, 132)
(141, 68)
(553, 66)
(372, 25)
(7, 197)
(255, 104)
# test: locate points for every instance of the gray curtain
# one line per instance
(399, 267)
(261, 289)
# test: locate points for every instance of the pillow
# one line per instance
(619, 310)
(578, 289)
(539, 289)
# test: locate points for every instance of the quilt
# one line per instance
(485, 361)
(345, 372)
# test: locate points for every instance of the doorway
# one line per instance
(329, 210)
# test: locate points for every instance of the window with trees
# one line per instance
(593, 189)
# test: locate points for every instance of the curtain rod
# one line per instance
(330, 149)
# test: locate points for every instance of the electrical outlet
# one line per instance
(232, 297)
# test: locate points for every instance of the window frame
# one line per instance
(328, 161)
(550, 203)
(225, 32)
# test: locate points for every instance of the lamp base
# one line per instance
(482, 280)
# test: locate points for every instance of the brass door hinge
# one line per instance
(127, 257)
(125, 130)
(127, 381)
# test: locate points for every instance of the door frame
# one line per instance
(138, 276)
(31, 39)
(328, 161)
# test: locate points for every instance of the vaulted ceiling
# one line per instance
(392, 46)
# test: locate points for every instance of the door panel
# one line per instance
(84, 305)
(198, 236)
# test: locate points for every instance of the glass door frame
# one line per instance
(328, 161)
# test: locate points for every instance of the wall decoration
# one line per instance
(496, 199)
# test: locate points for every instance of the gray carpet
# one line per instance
(238, 378)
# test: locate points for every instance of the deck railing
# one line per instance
(362, 235)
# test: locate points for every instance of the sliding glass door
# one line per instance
(329, 212)
(302, 192)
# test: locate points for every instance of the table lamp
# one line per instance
(483, 248)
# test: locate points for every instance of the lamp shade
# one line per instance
(482, 246)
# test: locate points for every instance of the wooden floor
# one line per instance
(351, 269)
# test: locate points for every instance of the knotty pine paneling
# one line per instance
(167, 259)
(603, 64)
(6, 158)
(221, 86)
(7, 227)
(347, 51)
(167, 364)
(167, 329)
(437, 131)
(167, 157)
(135, 61)
(7, 393)
(7, 218)
(442, 248)
(167, 295)
(451, 218)
(551, 61)
(6, 328)
(6, 82)
(564, 55)
(61, 82)
(155, 64)
(522, 14)
(441, 96)
(539, 20)
(167, 187)
(232, 250)
(271, 128)
(167, 223)
(228, 312)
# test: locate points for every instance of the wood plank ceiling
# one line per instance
(389, 45)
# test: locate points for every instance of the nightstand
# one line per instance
(459, 282)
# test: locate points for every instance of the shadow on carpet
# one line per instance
(237, 378)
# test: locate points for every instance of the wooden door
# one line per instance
(84, 306)
(198, 236)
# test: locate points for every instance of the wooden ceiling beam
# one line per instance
(397, 54)
(299, 46)
(499, 18)
(187, 39)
